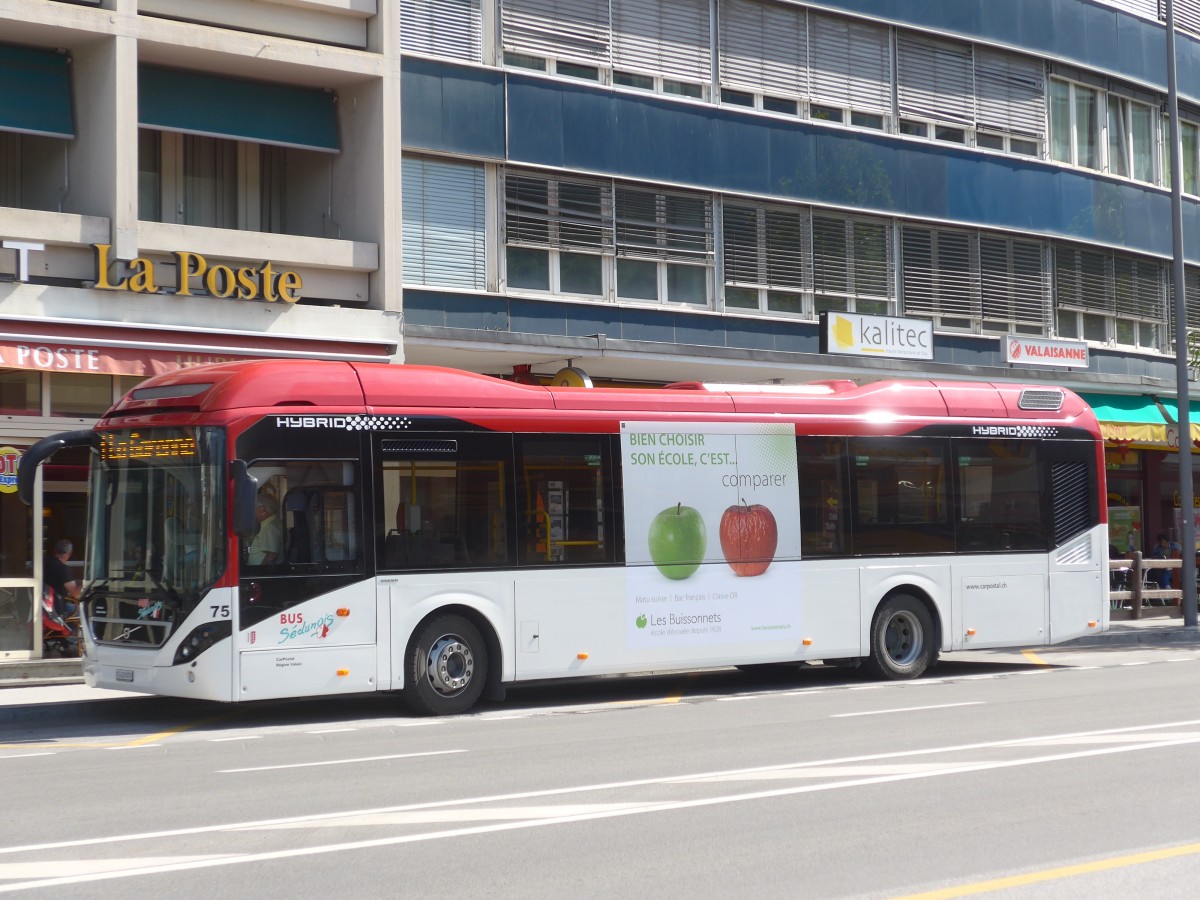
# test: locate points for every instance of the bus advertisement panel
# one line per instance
(712, 531)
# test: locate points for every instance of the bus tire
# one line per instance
(447, 667)
(902, 639)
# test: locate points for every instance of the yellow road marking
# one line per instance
(1100, 865)
(660, 701)
(1034, 658)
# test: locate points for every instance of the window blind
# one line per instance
(1139, 289)
(1083, 279)
(934, 79)
(1014, 284)
(665, 226)
(568, 29)
(1010, 93)
(852, 256)
(763, 47)
(662, 37)
(443, 218)
(564, 214)
(940, 272)
(850, 64)
(767, 246)
(449, 28)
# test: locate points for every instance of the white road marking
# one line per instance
(338, 762)
(330, 730)
(1146, 730)
(245, 737)
(882, 712)
(949, 769)
(27, 755)
(463, 814)
(87, 867)
(133, 747)
(1140, 662)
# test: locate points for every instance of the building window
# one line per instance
(443, 221)
(1109, 298)
(20, 392)
(664, 245)
(975, 281)
(212, 182)
(850, 65)
(80, 396)
(1074, 124)
(1131, 139)
(853, 265)
(557, 234)
(447, 28)
(1189, 133)
(767, 259)
(10, 169)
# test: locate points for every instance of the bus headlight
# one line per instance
(200, 639)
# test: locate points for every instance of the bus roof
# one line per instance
(297, 386)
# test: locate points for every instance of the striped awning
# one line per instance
(1131, 420)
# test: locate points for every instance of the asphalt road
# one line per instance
(1067, 773)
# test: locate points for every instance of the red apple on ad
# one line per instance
(749, 536)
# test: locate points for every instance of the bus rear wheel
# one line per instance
(446, 667)
(902, 639)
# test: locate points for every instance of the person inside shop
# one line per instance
(58, 577)
(1165, 548)
(266, 548)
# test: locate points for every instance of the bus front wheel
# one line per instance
(446, 667)
(902, 639)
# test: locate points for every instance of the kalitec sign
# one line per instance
(193, 273)
(1033, 351)
(886, 336)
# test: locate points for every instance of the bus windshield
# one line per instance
(156, 521)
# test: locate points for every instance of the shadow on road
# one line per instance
(142, 717)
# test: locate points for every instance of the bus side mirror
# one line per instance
(245, 495)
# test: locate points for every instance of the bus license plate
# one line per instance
(125, 675)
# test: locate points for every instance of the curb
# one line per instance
(1171, 634)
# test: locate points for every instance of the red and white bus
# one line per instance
(286, 528)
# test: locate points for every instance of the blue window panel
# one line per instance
(793, 162)
(1100, 27)
(266, 113)
(647, 325)
(596, 128)
(586, 320)
(535, 123)
(421, 308)
(452, 108)
(744, 151)
(856, 170)
(537, 317)
(701, 330)
(804, 339)
(35, 92)
(473, 311)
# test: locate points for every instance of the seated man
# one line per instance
(1164, 548)
(267, 547)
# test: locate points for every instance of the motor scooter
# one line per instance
(58, 637)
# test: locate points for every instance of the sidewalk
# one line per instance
(1158, 625)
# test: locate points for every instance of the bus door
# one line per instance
(443, 526)
(1001, 523)
(307, 613)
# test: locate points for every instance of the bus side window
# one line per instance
(1000, 491)
(901, 496)
(564, 497)
(442, 502)
(823, 503)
